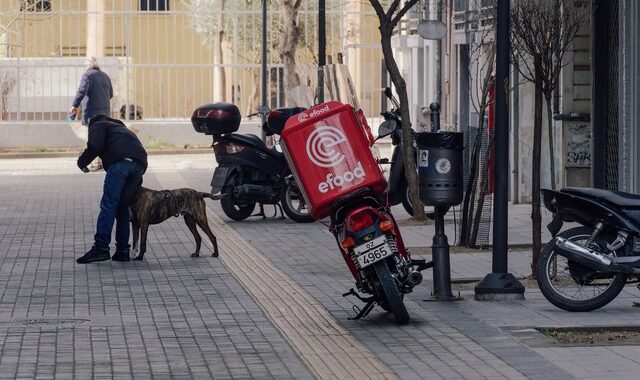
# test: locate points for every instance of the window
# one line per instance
(35, 5)
(154, 5)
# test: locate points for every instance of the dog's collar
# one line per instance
(172, 202)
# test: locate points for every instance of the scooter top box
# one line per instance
(330, 156)
(216, 118)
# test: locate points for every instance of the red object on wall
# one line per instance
(329, 154)
(491, 122)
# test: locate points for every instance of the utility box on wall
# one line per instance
(577, 153)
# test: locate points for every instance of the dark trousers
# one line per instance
(120, 185)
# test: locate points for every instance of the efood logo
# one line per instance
(320, 146)
(302, 116)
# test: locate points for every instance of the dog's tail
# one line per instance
(211, 196)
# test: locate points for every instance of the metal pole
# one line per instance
(438, 55)
(263, 76)
(500, 285)
(322, 47)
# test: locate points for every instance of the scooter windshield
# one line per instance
(336, 84)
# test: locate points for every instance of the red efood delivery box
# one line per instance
(329, 154)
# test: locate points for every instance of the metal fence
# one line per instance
(160, 63)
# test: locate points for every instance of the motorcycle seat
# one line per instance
(256, 141)
(616, 197)
(250, 139)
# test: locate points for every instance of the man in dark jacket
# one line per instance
(125, 161)
(96, 87)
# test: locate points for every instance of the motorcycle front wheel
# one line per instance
(392, 297)
(408, 206)
(294, 205)
(574, 287)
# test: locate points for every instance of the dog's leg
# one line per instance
(143, 242)
(136, 233)
(202, 222)
(191, 223)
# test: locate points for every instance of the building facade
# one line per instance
(596, 127)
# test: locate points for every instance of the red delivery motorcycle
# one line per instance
(328, 148)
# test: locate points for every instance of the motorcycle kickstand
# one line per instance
(363, 312)
(369, 304)
(261, 213)
(278, 207)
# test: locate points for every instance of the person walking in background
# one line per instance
(95, 86)
(95, 93)
(125, 161)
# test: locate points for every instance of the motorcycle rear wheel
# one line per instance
(231, 207)
(236, 211)
(562, 282)
(393, 298)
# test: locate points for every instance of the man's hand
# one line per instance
(73, 111)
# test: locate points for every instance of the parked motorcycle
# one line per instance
(248, 171)
(328, 149)
(585, 268)
(398, 188)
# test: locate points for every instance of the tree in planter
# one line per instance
(388, 21)
(541, 33)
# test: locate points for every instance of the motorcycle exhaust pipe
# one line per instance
(582, 254)
(591, 258)
(414, 278)
(252, 193)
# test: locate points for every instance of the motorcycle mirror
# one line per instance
(389, 94)
(386, 128)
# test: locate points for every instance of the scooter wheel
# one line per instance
(294, 205)
(236, 211)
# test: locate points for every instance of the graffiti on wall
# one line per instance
(577, 144)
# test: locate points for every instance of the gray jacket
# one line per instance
(96, 87)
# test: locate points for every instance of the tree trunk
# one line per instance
(219, 77)
(287, 45)
(535, 175)
(407, 137)
(254, 101)
(552, 160)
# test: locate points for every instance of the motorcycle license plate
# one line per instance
(373, 251)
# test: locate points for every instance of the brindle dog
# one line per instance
(153, 207)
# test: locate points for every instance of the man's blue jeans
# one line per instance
(120, 184)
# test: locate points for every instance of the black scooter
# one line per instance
(586, 267)
(398, 188)
(248, 171)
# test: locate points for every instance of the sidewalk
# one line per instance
(268, 307)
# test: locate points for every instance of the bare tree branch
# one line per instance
(405, 8)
